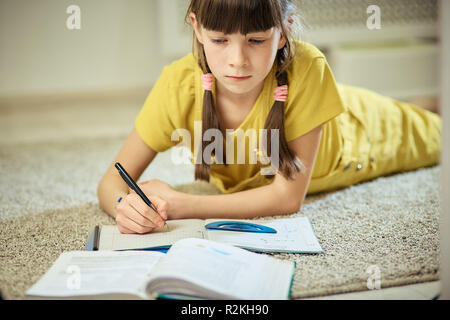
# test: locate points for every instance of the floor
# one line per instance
(420, 291)
(22, 122)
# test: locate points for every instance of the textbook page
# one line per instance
(90, 273)
(228, 270)
(174, 230)
(293, 235)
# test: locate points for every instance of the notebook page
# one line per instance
(293, 235)
(228, 270)
(112, 239)
(83, 273)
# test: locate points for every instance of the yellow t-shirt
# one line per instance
(176, 101)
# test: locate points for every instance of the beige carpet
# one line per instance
(49, 205)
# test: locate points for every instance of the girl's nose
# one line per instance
(238, 57)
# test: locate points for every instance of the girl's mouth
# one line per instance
(238, 78)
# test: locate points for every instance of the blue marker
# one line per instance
(239, 226)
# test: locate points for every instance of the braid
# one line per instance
(289, 164)
(210, 120)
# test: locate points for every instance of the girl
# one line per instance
(247, 72)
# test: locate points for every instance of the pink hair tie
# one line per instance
(207, 80)
(280, 93)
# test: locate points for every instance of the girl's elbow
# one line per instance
(291, 206)
(292, 200)
(295, 206)
(288, 195)
(101, 194)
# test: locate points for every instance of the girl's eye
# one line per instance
(222, 41)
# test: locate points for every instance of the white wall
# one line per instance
(116, 48)
(125, 44)
(445, 177)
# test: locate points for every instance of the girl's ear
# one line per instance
(283, 39)
(196, 27)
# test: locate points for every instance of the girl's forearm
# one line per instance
(263, 201)
(109, 190)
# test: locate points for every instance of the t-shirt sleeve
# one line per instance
(153, 123)
(312, 100)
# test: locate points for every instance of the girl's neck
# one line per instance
(246, 99)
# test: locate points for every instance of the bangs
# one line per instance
(243, 16)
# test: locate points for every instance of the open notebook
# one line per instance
(293, 235)
(192, 268)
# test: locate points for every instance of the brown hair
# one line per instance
(246, 16)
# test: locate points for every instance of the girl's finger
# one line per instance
(139, 218)
(122, 229)
(145, 211)
(128, 224)
(131, 208)
(161, 205)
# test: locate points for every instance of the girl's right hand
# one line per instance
(133, 215)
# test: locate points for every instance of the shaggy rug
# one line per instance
(49, 205)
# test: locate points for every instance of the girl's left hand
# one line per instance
(166, 192)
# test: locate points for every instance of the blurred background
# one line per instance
(123, 45)
(118, 50)
(71, 86)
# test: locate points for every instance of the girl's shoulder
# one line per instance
(306, 56)
(309, 49)
(180, 73)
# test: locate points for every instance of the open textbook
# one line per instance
(192, 268)
(294, 235)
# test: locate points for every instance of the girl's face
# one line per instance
(240, 62)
